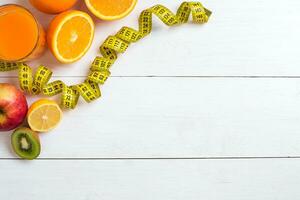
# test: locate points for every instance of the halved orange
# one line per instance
(110, 9)
(44, 115)
(70, 35)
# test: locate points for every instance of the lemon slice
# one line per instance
(44, 115)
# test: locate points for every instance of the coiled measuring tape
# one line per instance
(99, 72)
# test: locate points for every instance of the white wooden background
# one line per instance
(194, 112)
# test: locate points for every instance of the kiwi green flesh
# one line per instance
(26, 144)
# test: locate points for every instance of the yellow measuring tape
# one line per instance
(99, 71)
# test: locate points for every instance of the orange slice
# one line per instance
(44, 115)
(110, 9)
(70, 35)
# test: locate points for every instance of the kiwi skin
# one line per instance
(32, 137)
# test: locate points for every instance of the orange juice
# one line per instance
(22, 38)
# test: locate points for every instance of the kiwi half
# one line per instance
(26, 143)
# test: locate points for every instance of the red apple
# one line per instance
(13, 107)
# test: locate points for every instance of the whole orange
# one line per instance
(52, 6)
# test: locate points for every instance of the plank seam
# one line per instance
(167, 158)
(153, 76)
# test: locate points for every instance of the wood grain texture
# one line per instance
(148, 180)
(180, 117)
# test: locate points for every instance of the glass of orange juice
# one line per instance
(22, 38)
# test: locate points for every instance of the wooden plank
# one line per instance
(243, 38)
(179, 117)
(148, 180)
